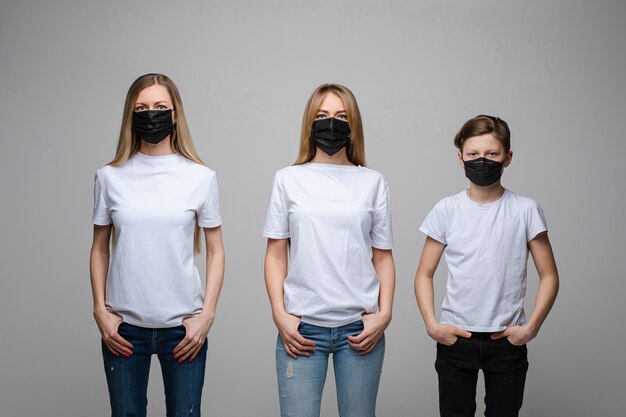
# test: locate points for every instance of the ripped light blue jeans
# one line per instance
(301, 381)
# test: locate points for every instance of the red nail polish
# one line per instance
(180, 361)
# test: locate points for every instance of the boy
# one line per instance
(486, 233)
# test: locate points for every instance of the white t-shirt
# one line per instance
(153, 202)
(333, 216)
(486, 254)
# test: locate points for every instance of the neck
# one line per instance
(340, 158)
(162, 148)
(487, 194)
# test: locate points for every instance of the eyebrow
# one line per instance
(326, 111)
(140, 103)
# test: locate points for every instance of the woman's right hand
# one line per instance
(108, 324)
(293, 341)
(447, 334)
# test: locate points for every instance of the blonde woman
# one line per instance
(330, 217)
(152, 202)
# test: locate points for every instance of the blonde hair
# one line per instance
(129, 143)
(356, 147)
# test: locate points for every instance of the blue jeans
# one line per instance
(504, 367)
(127, 378)
(301, 381)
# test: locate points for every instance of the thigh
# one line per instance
(127, 378)
(457, 370)
(505, 376)
(301, 381)
(182, 381)
(357, 376)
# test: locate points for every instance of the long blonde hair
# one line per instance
(129, 143)
(356, 147)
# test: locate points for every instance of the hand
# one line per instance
(108, 323)
(295, 344)
(196, 331)
(374, 325)
(447, 334)
(516, 335)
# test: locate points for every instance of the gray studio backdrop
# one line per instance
(554, 70)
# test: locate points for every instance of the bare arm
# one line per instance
(541, 251)
(197, 328)
(99, 267)
(424, 293)
(276, 259)
(375, 324)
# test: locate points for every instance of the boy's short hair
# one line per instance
(481, 125)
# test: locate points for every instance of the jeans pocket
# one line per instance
(442, 346)
(305, 328)
(508, 342)
(122, 328)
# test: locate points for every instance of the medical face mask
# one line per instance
(153, 125)
(483, 171)
(330, 134)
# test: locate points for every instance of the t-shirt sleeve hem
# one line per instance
(274, 235)
(208, 224)
(432, 235)
(382, 245)
(99, 221)
(536, 233)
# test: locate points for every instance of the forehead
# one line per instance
(331, 102)
(482, 143)
(154, 94)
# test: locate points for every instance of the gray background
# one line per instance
(554, 70)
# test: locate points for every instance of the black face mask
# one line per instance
(153, 125)
(483, 171)
(330, 134)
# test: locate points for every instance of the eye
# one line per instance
(161, 107)
(342, 117)
(320, 116)
(493, 154)
(140, 108)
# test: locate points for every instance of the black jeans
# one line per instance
(504, 367)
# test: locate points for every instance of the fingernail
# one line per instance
(191, 360)
(180, 361)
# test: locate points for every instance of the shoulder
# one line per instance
(197, 170)
(372, 176)
(451, 202)
(104, 173)
(522, 202)
(290, 171)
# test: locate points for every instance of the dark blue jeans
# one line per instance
(504, 367)
(127, 378)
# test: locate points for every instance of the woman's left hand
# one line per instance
(374, 325)
(197, 329)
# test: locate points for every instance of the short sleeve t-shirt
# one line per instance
(333, 215)
(486, 254)
(153, 202)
